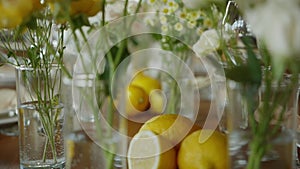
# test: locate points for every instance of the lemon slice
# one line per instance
(148, 151)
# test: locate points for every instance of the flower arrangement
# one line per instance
(278, 34)
(32, 40)
(260, 57)
(36, 32)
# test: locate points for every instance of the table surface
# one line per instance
(9, 148)
(9, 152)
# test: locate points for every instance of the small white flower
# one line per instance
(164, 28)
(209, 42)
(173, 5)
(163, 19)
(182, 15)
(178, 27)
(193, 15)
(166, 10)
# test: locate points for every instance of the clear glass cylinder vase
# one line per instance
(81, 151)
(40, 117)
(260, 123)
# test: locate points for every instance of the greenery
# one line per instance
(33, 35)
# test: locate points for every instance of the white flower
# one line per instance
(178, 27)
(277, 23)
(182, 14)
(209, 42)
(163, 19)
(165, 10)
(173, 5)
(193, 15)
(164, 28)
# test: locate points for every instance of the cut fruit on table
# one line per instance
(172, 127)
(142, 92)
(150, 151)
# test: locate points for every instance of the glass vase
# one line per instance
(260, 123)
(96, 125)
(80, 150)
(40, 114)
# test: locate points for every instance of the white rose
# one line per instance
(209, 42)
(277, 23)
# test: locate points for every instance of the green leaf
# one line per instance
(250, 72)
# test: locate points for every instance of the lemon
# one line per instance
(88, 7)
(211, 154)
(146, 82)
(137, 100)
(150, 151)
(173, 127)
(157, 101)
(13, 13)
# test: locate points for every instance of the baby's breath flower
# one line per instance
(163, 19)
(178, 27)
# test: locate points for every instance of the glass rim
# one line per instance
(24, 67)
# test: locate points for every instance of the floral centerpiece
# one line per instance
(262, 60)
(33, 40)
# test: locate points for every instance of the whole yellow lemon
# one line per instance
(211, 154)
(137, 100)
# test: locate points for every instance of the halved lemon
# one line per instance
(150, 151)
(173, 127)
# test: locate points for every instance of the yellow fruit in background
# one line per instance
(88, 7)
(157, 101)
(173, 127)
(150, 151)
(37, 5)
(137, 100)
(13, 13)
(146, 82)
(211, 154)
